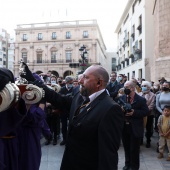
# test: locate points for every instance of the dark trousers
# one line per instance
(149, 128)
(64, 118)
(131, 147)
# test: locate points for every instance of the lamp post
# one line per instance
(84, 58)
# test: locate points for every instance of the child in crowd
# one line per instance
(164, 131)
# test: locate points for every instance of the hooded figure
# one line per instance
(9, 120)
(6, 76)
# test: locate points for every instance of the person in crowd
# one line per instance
(135, 109)
(125, 78)
(29, 134)
(53, 115)
(150, 99)
(112, 85)
(138, 86)
(163, 98)
(162, 80)
(10, 119)
(66, 90)
(156, 90)
(77, 88)
(121, 80)
(60, 81)
(164, 131)
(94, 130)
(75, 83)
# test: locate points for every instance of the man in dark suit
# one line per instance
(94, 132)
(65, 90)
(113, 86)
(135, 108)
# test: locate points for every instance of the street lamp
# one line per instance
(84, 57)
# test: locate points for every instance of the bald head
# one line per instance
(100, 73)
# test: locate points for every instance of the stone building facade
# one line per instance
(53, 46)
(161, 58)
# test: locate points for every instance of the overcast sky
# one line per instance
(107, 13)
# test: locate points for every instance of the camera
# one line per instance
(126, 106)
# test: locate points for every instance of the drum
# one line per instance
(9, 96)
(30, 93)
(11, 93)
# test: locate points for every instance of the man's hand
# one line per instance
(130, 113)
(28, 76)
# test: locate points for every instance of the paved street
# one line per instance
(52, 155)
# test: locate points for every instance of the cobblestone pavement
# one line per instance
(52, 156)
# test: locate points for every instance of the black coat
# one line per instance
(140, 111)
(113, 89)
(94, 136)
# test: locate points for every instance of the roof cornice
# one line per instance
(125, 13)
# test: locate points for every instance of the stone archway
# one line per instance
(55, 73)
(67, 73)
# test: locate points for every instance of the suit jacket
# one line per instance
(94, 135)
(113, 89)
(140, 110)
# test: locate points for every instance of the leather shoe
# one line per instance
(126, 168)
(63, 143)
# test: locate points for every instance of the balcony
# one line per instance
(68, 37)
(53, 61)
(85, 36)
(54, 37)
(39, 38)
(24, 39)
(132, 34)
(126, 59)
(139, 27)
(131, 56)
(138, 51)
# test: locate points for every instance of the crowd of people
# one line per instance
(94, 113)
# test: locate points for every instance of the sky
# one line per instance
(107, 13)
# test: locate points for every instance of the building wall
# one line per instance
(4, 36)
(94, 45)
(140, 66)
(161, 58)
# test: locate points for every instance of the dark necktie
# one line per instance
(82, 107)
(128, 99)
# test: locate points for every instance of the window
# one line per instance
(4, 62)
(4, 49)
(133, 7)
(140, 44)
(24, 57)
(68, 56)
(24, 37)
(68, 35)
(113, 64)
(40, 36)
(0, 59)
(53, 56)
(85, 34)
(127, 62)
(54, 35)
(133, 32)
(140, 24)
(39, 57)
